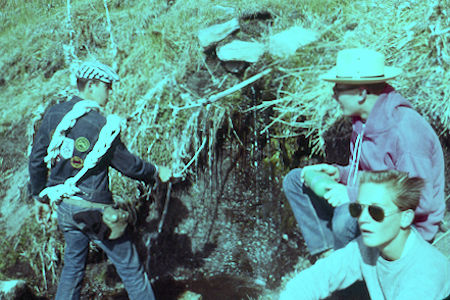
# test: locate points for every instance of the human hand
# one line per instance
(42, 211)
(318, 182)
(336, 194)
(164, 173)
(330, 170)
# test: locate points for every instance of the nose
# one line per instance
(364, 217)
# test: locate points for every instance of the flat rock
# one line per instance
(188, 295)
(287, 42)
(216, 33)
(13, 289)
(225, 9)
(241, 51)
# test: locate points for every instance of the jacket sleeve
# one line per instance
(432, 205)
(337, 271)
(36, 166)
(130, 165)
(343, 173)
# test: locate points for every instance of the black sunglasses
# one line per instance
(337, 90)
(377, 213)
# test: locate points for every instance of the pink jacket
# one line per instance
(395, 136)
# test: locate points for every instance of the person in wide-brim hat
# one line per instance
(387, 134)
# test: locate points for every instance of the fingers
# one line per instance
(164, 178)
(302, 174)
(43, 213)
(336, 195)
(164, 174)
(311, 168)
(325, 168)
(329, 169)
(332, 200)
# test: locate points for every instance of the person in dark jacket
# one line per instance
(77, 144)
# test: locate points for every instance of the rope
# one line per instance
(353, 173)
(79, 109)
(106, 136)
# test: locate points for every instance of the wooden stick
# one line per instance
(238, 86)
(192, 160)
(225, 93)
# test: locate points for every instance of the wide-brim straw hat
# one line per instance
(360, 66)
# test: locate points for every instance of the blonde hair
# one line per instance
(408, 190)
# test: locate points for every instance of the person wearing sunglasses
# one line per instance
(387, 134)
(390, 256)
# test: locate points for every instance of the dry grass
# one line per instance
(155, 53)
(153, 45)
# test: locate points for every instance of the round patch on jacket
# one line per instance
(66, 149)
(82, 144)
(76, 162)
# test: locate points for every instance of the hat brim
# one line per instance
(390, 73)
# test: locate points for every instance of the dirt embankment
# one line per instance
(229, 227)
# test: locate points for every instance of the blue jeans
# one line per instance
(323, 227)
(121, 252)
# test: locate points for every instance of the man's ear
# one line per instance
(407, 218)
(363, 95)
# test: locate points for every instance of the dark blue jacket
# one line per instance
(94, 185)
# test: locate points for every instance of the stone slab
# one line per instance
(241, 51)
(287, 42)
(216, 33)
